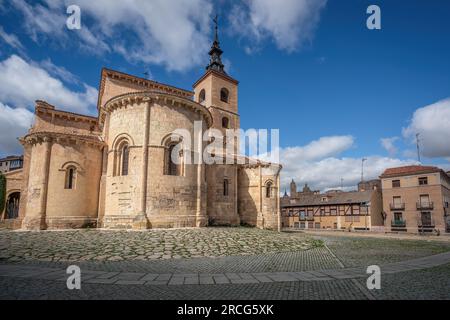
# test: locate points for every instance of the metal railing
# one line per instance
(397, 206)
(428, 205)
(398, 223)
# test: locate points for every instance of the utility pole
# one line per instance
(362, 168)
(342, 183)
(418, 146)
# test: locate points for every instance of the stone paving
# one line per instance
(324, 267)
(95, 245)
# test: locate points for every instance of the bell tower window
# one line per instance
(224, 95)
(202, 96)
(225, 123)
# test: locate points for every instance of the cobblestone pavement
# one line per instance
(304, 269)
(97, 245)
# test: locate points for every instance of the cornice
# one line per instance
(131, 98)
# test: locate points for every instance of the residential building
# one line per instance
(416, 199)
(335, 209)
(11, 163)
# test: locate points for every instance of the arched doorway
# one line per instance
(12, 206)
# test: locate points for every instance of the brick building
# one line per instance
(416, 199)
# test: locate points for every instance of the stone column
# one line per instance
(141, 221)
(35, 215)
(201, 218)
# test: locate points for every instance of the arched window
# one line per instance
(172, 166)
(70, 177)
(269, 189)
(202, 96)
(125, 156)
(225, 122)
(12, 206)
(225, 187)
(224, 95)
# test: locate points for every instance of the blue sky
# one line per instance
(309, 68)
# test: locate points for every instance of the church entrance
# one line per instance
(12, 206)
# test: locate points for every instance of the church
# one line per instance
(115, 170)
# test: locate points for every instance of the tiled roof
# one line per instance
(408, 170)
(352, 197)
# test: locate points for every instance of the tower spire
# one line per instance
(215, 61)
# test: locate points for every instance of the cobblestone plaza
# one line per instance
(220, 263)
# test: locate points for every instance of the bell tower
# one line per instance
(217, 91)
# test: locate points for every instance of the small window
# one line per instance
(224, 95)
(70, 178)
(225, 187)
(202, 96)
(423, 181)
(269, 190)
(225, 122)
(172, 168)
(125, 160)
(395, 183)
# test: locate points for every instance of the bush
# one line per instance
(2, 192)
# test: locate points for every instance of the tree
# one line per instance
(2, 192)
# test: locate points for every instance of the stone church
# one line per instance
(114, 170)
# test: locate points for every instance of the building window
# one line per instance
(224, 95)
(172, 165)
(202, 96)
(70, 177)
(225, 122)
(395, 183)
(225, 187)
(269, 190)
(125, 155)
(423, 181)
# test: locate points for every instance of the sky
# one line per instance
(337, 91)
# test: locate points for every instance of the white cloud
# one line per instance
(11, 40)
(22, 83)
(389, 145)
(175, 34)
(290, 23)
(433, 124)
(14, 123)
(59, 72)
(318, 164)
(319, 149)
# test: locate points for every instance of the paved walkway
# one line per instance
(170, 279)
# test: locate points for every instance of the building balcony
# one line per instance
(426, 223)
(397, 206)
(398, 223)
(425, 205)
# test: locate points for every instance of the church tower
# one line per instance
(293, 188)
(217, 91)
